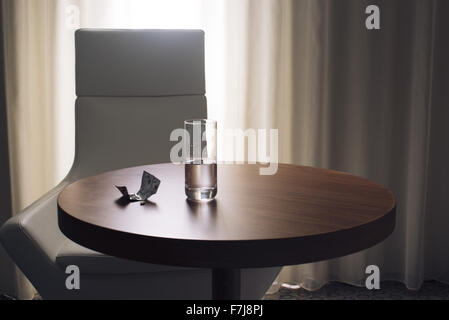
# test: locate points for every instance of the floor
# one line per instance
(389, 290)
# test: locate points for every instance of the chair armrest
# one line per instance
(34, 232)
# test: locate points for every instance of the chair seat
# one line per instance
(92, 262)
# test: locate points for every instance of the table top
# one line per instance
(299, 215)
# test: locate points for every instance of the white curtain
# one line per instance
(372, 103)
(342, 97)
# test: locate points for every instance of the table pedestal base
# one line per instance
(226, 284)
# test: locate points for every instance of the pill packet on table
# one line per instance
(148, 187)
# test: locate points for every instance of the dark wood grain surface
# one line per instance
(301, 214)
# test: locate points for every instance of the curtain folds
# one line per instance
(354, 100)
(32, 96)
(365, 102)
(369, 102)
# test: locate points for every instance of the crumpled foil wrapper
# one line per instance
(148, 187)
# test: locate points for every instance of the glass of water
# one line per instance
(200, 159)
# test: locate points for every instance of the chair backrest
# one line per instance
(134, 87)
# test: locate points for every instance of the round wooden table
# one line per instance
(299, 215)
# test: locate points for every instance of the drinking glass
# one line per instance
(201, 159)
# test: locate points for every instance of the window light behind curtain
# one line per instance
(226, 45)
(156, 14)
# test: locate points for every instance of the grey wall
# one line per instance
(6, 266)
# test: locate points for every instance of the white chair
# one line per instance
(133, 88)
